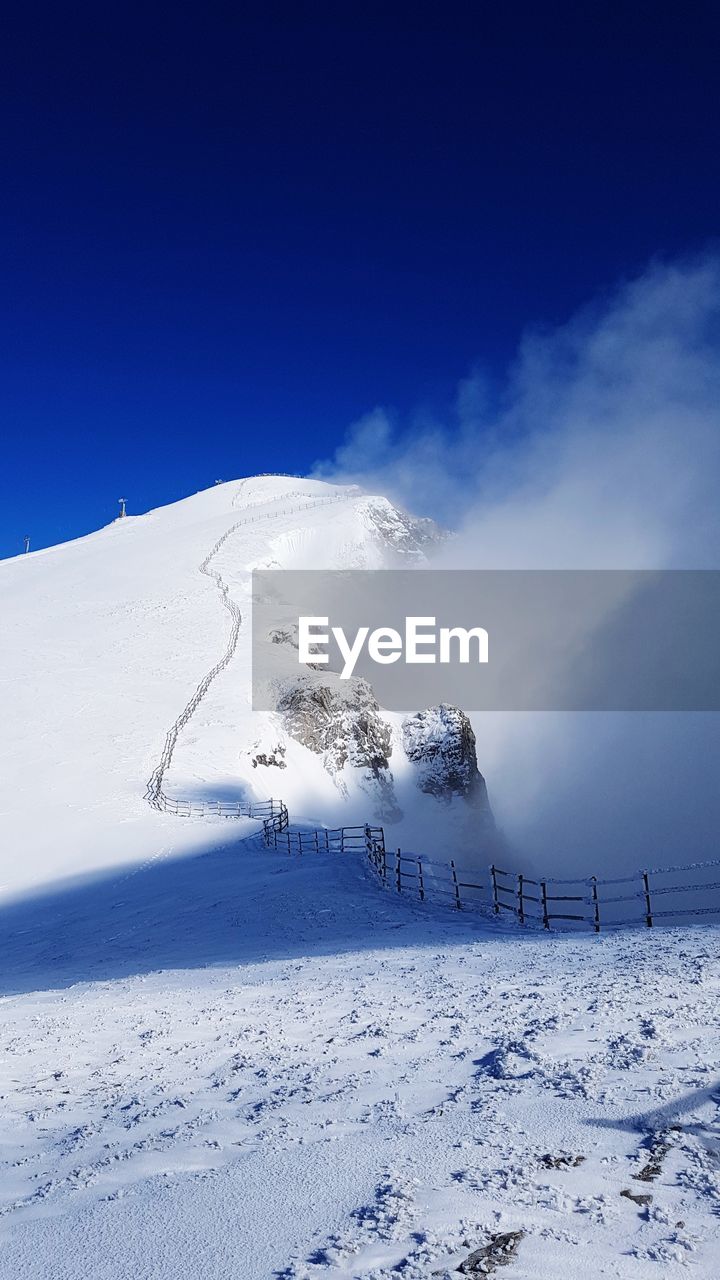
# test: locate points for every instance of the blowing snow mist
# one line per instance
(602, 450)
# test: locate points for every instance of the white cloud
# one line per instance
(602, 450)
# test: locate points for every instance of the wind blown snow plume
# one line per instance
(602, 451)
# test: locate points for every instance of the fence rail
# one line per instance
(544, 902)
(188, 808)
(529, 901)
(587, 905)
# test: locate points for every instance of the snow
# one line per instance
(104, 643)
(219, 1061)
(243, 1063)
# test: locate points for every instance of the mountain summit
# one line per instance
(120, 638)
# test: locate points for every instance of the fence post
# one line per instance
(421, 883)
(456, 886)
(327, 840)
(493, 873)
(543, 897)
(596, 904)
(648, 908)
(398, 878)
(299, 836)
(521, 903)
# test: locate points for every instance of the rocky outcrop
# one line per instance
(341, 721)
(275, 758)
(441, 743)
(406, 538)
(289, 636)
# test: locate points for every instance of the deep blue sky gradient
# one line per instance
(226, 233)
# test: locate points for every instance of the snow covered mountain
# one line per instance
(106, 640)
(244, 1064)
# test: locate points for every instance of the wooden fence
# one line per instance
(644, 898)
(359, 840)
(589, 902)
(403, 872)
(262, 810)
(648, 897)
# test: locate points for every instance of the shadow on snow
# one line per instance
(231, 903)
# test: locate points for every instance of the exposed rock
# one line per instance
(498, 1252)
(341, 721)
(285, 635)
(642, 1200)
(405, 536)
(562, 1161)
(268, 758)
(289, 636)
(441, 742)
(653, 1168)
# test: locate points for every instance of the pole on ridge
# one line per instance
(543, 896)
(456, 886)
(648, 908)
(596, 904)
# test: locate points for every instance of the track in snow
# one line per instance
(154, 794)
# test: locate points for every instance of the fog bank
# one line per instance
(601, 450)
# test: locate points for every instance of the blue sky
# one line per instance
(224, 237)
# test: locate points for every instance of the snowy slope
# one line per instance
(221, 1062)
(105, 640)
(247, 1065)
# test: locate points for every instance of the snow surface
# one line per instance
(104, 642)
(222, 1062)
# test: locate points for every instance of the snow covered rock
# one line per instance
(441, 743)
(408, 537)
(274, 758)
(340, 720)
(501, 1250)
